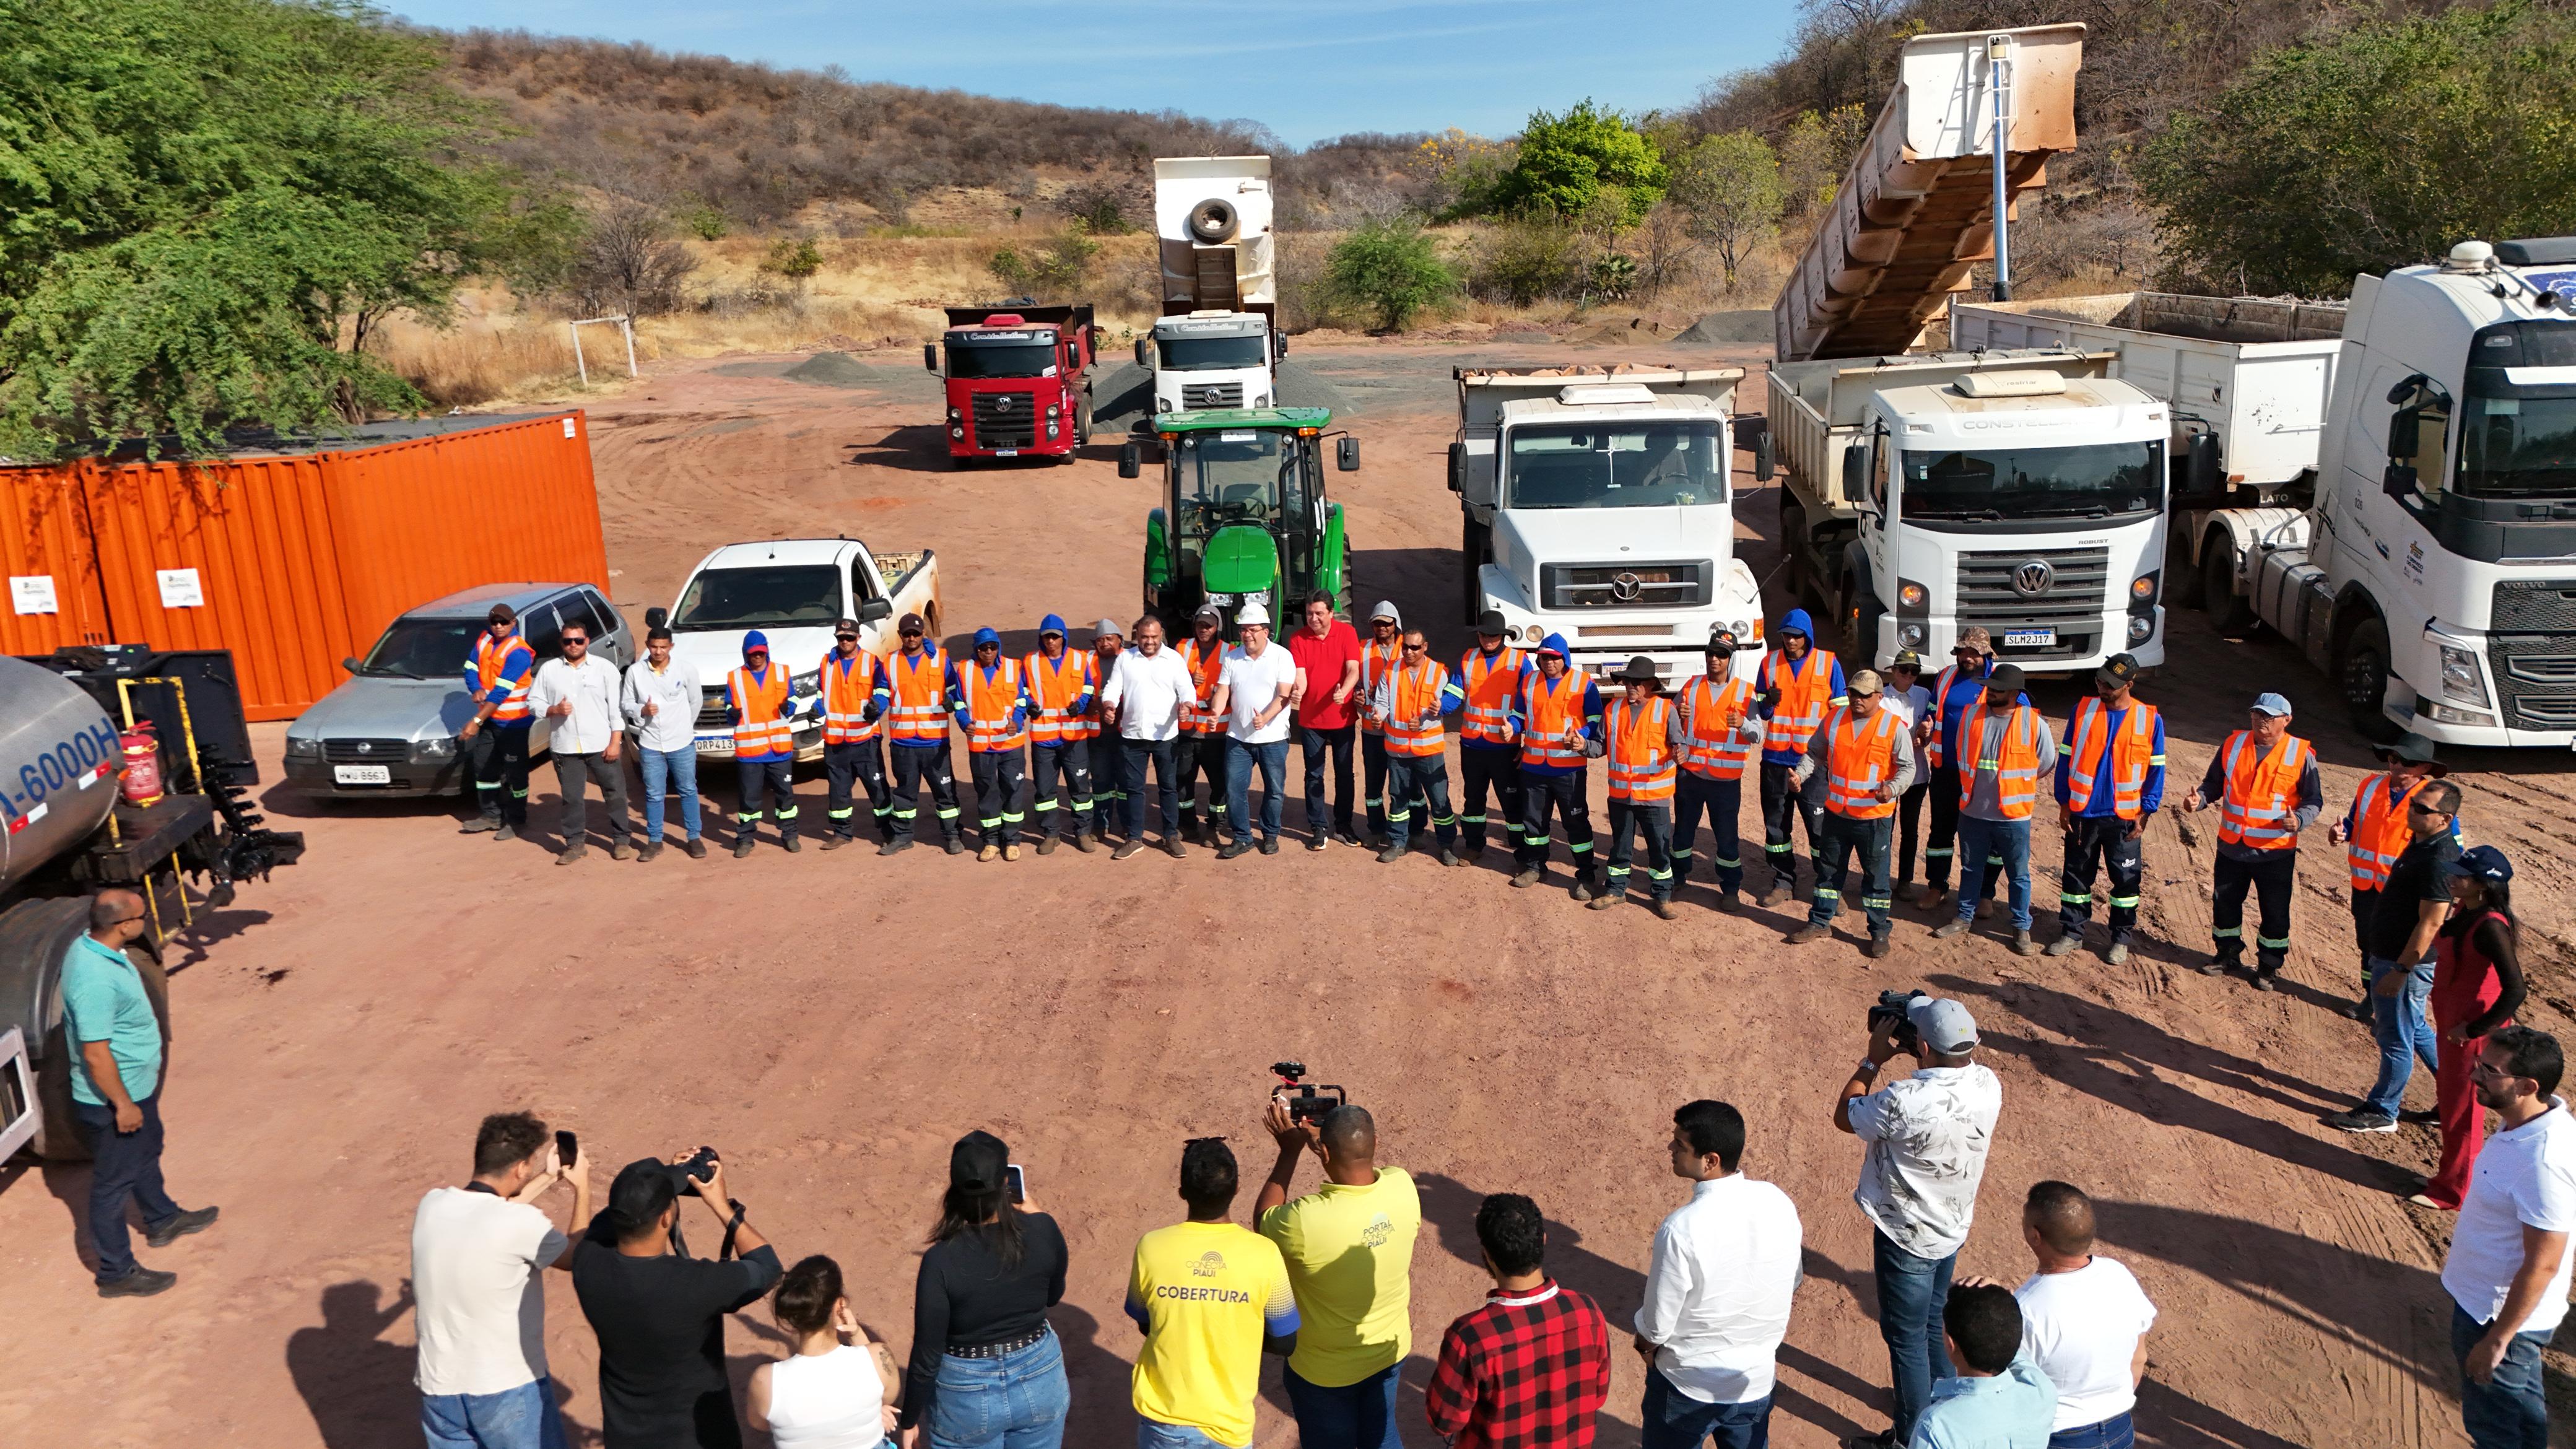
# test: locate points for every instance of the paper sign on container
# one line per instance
(33, 594)
(180, 589)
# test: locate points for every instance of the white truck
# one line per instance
(1595, 505)
(1216, 345)
(2018, 490)
(793, 591)
(2390, 484)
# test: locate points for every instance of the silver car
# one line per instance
(390, 730)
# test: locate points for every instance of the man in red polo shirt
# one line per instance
(1530, 1369)
(1328, 649)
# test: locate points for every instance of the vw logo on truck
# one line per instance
(2033, 578)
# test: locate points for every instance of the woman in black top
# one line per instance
(987, 1372)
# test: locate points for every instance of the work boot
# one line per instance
(1172, 847)
(1663, 909)
(189, 1220)
(1270, 845)
(1601, 902)
(1932, 896)
(835, 842)
(1880, 948)
(1046, 845)
(990, 851)
(2023, 945)
(1450, 857)
(1953, 927)
(2265, 980)
(502, 832)
(2065, 943)
(1317, 841)
(2118, 955)
(1986, 909)
(141, 1283)
(1779, 893)
(1812, 931)
(1011, 851)
(2220, 963)
(955, 845)
(896, 846)
(792, 844)
(1083, 843)
(624, 849)
(697, 849)
(742, 845)
(571, 853)
(1583, 887)
(1728, 903)
(1528, 877)
(1193, 829)
(1390, 855)
(1231, 849)
(478, 826)
(1126, 848)
(648, 852)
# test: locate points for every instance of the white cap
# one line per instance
(1252, 613)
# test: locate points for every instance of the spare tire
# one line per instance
(1213, 221)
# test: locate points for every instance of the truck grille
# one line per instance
(712, 711)
(1211, 395)
(2535, 677)
(2071, 603)
(2534, 606)
(366, 752)
(1669, 585)
(1005, 420)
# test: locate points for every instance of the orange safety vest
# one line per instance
(920, 713)
(990, 701)
(1054, 684)
(849, 686)
(2015, 761)
(488, 659)
(2133, 750)
(1642, 765)
(1940, 708)
(759, 733)
(1487, 717)
(1377, 661)
(1417, 693)
(2380, 833)
(1710, 749)
(1804, 697)
(2262, 802)
(1860, 757)
(1552, 720)
(1205, 670)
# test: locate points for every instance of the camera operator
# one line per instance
(1349, 1246)
(659, 1313)
(1927, 1137)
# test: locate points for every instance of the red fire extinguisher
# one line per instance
(142, 782)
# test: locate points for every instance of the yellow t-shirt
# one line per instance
(1350, 1258)
(1206, 1294)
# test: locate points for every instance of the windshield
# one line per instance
(1238, 475)
(1001, 359)
(1593, 465)
(2091, 481)
(1201, 354)
(760, 598)
(421, 649)
(2518, 447)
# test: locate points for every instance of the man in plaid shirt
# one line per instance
(1532, 1366)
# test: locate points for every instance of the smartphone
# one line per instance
(1017, 1184)
(567, 1149)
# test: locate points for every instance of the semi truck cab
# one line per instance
(1018, 380)
(1212, 359)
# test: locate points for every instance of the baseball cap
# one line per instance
(2273, 704)
(975, 1164)
(2484, 862)
(2005, 680)
(911, 624)
(1252, 613)
(845, 626)
(1975, 637)
(2411, 750)
(755, 640)
(1051, 624)
(1866, 682)
(1944, 1025)
(1721, 641)
(1211, 613)
(1490, 622)
(1907, 659)
(2118, 670)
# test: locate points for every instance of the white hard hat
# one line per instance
(1252, 613)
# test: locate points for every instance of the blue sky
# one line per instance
(1322, 67)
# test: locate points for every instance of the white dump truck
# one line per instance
(1216, 344)
(2019, 490)
(1595, 505)
(2390, 484)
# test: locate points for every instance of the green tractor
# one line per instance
(1244, 516)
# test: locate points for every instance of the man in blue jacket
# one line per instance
(1798, 686)
(1556, 714)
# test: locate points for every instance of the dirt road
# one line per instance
(833, 1021)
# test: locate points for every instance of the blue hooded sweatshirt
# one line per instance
(1054, 624)
(1798, 623)
(1531, 678)
(957, 682)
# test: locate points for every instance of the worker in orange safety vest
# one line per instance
(495, 740)
(2264, 781)
(855, 696)
(762, 702)
(2374, 832)
(1861, 756)
(2004, 747)
(1640, 742)
(1720, 738)
(1061, 728)
(2110, 781)
(917, 739)
(1798, 686)
(990, 699)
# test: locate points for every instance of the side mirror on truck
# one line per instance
(1766, 459)
(1457, 467)
(1346, 455)
(2200, 476)
(1855, 468)
(1282, 339)
(656, 618)
(1144, 352)
(875, 609)
(1131, 461)
(930, 356)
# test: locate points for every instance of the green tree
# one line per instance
(1392, 268)
(1566, 164)
(1815, 152)
(795, 258)
(1729, 188)
(207, 206)
(2378, 146)
(1050, 272)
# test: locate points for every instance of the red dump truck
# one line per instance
(1019, 380)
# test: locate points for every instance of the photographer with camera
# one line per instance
(659, 1313)
(1927, 1138)
(1349, 1246)
(479, 1255)
(986, 1369)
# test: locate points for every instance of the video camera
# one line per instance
(685, 1176)
(1306, 1100)
(1892, 1009)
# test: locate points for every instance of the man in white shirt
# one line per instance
(2506, 1271)
(478, 1260)
(1146, 689)
(579, 692)
(1257, 689)
(2084, 1321)
(1927, 1138)
(661, 702)
(1726, 1265)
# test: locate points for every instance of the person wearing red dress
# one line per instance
(2477, 987)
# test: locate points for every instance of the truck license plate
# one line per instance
(2030, 638)
(362, 774)
(1006, 452)
(715, 745)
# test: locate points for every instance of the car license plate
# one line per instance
(2030, 638)
(715, 745)
(1006, 452)
(362, 774)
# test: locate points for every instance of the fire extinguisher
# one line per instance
(142, 782)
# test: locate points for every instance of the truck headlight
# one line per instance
(1051, 429)
(1051, 412)
(303, 749)
(1534, 633)
(2143, 589)
(2460, 679)
(1911, 636)
(1911, 595)
(805, 686)
(2140, 626)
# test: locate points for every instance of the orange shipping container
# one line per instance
(294, 560)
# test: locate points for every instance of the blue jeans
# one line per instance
(1155, 1434)
(2404, 1032)
(2511, 1411)
(1981, 844)
(672, 772)
(2116, 1432)
(1354, 1416)
(1239, 760)
(127, 1164)
(520, 1418)
(1912, 1292)
(1675, 1420)
(1017, 1401)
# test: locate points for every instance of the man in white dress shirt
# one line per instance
(1725, 1266)
(579, 692)
(1145, 692)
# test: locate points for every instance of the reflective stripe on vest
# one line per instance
(2133, 750)
(1709, 747)
(1054, 684)
(848, 687)
(1487, 717)
(487, 668)
(1941, 683)
(1417, 693)
(2015, 760)
(1377, 661)
(1552, 720)
(990, 700)
(1860, 756)
(2380, 833)
(1642, 767)
(758, 732)
(920, 714)
(2261, 809)
(1205, 667)
(1804, 696)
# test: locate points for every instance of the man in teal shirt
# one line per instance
(2000, 1399)
(116, 1096)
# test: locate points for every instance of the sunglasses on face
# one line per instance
(574, 641)
(1415, 648)
(847, 638)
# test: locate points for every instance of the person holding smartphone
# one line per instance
(479, 1254)
(986, 1372)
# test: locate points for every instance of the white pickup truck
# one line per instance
(793, 591)
(1596, 506)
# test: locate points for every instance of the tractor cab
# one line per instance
(1244, 514)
